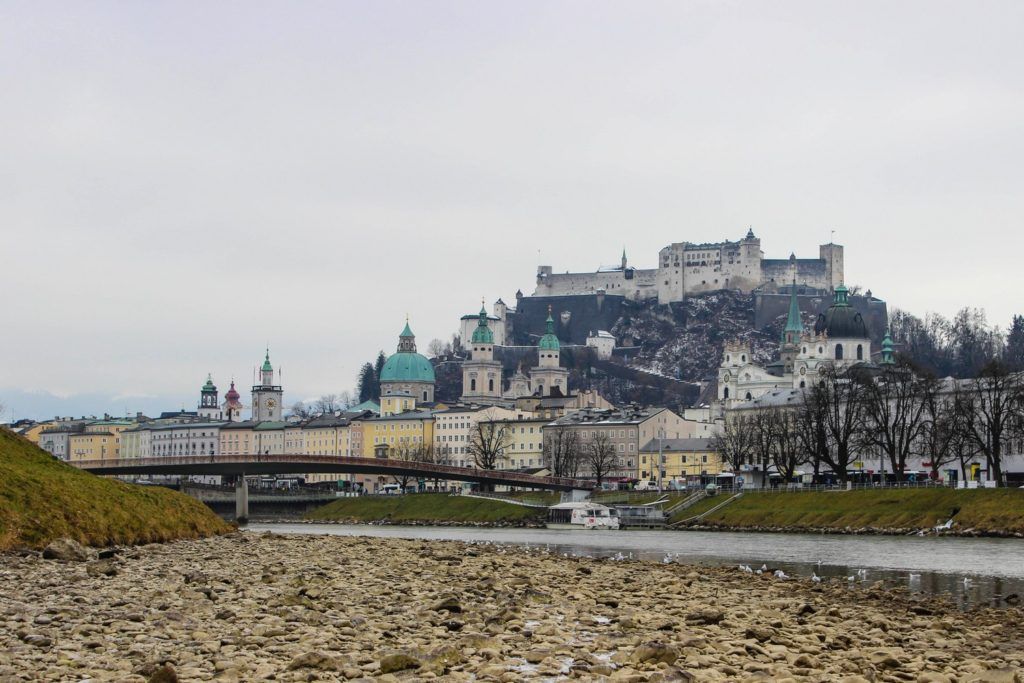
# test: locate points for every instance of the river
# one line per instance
(970, 571)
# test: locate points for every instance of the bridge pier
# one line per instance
(241, 500)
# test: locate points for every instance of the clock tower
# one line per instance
(267, 396)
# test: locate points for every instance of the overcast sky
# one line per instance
(183, 183)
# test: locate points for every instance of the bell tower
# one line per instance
(481, 374)
(208, 407)
(267, 396)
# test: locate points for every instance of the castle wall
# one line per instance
(629, 283)
(809, 272)
(685, 268)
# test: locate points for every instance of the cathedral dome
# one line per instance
(407, 365)
(841, 321)
(232, 394)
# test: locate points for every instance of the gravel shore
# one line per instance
(249, 607)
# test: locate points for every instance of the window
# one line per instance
(839, 351)
(472, 385)
(860, 352)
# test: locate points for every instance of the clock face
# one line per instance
(271, 403)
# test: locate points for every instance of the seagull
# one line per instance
(851, 578)
(779, 574)
(764, 567)
(746, 569)
(967, 582)
(815, 578)
(667, 559)
(862, 573)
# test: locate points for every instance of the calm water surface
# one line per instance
(971, 571)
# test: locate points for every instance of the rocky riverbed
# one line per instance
(299, 608)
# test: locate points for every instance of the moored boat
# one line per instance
(582, 515)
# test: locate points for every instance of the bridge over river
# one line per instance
(241, 465)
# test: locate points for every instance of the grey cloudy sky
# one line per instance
(182, 183)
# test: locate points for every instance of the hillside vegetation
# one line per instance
(42, 499)
(426, 507)
(984, 510)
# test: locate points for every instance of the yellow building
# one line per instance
(94, 445)
(99, 440)
(237, 438)
(523, 440)
(33, 432)
(398, 435)
(682, 459)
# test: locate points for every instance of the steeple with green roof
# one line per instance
(794, 324)
(267, 367)
(549, 342)
(842, 296)
(482, 334)
(888, 357)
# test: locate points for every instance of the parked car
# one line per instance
(645, 485)
(391, 490)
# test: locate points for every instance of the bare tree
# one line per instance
(345, 400)
(842, 395)
(326, 404)
(788, 453)
(406, 452)
(763, 427)
(600, 456)
(997, 399)
(562, 452)
(895, 413)
(488, 440)
(735, 441)
(436, 348)
(301, 411)
(809, 422)
(943, 429)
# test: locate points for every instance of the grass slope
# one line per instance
(42, 499)
(424, 507)
(986, 510)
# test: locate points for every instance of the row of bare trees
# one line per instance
(890, 417)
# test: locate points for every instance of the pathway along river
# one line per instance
(972, 571)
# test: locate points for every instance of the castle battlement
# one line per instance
(686, 268)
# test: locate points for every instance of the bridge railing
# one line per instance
(303, 462)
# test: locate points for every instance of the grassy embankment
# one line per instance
(985, 510)
(425, 507)
(42, 499)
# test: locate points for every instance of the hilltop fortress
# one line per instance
(685, 268)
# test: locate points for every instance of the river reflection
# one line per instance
(970, 571)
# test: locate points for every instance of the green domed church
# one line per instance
(406, 372)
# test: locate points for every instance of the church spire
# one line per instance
(794, 324)
(482, 334)
(887, 349)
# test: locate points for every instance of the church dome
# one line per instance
(232, 394)
(841, 321)
(407, 365)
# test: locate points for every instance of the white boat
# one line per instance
(583, 515)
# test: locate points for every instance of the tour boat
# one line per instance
(583, 515)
